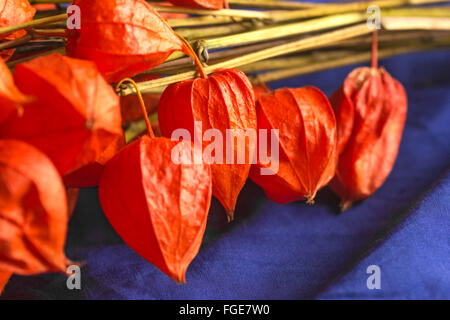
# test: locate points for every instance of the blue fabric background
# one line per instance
(298, 251)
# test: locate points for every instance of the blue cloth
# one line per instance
(299, 251)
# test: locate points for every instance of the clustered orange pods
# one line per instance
(75, 115)
(33, 211)
(61, 128)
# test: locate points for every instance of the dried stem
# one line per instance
(12, 64)
(189, 51)
(201, 21)
(277, 32)
(174, 66)
(330, 9)
(138, 127)
(213, 31)
(16, 42)
(141, 102)
(251, 14)
(303, 44)
(428, 12)
(345, 48)
(49, 32)
(329, 61)
(374, 63)
(403, 23)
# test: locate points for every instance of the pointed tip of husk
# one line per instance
(310, 198)
(179, 278)
(230, 215)
(345, 205)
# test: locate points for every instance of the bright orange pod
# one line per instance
(33, 211)
(158, 207)
(307, 143)
(222, 101)
(122, 37)
(75, 118)
(14, 12)
(370, 109)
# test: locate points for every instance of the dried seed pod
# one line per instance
(33, 211)
(123, 37)
(371, 111)
(14, 12)
(156, 200)
(159, 208)
(307, 141)
(11, 99)
(76, 115)
(223, 101)
(207, 4)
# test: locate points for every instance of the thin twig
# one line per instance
(49, 32)
(201, 21)
(13, 63)
(218, 56)
(33, 23)
(401, 23)
(330, 9)
(16, 42)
